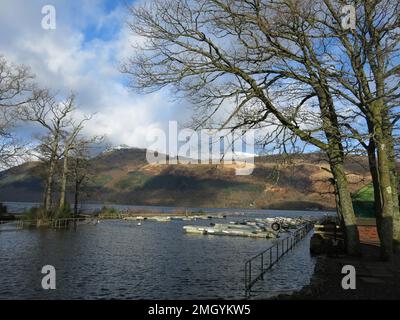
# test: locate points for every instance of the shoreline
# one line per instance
(90, 206)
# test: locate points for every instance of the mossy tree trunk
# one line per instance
(63, 182)
(336, 157)
(394, 184)
(385, 216)
(48, 194)
(373, 168)
(345, 206)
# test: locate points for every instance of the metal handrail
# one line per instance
(272, 256)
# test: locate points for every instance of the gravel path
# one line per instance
(374, 279)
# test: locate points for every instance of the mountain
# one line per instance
(124, 176)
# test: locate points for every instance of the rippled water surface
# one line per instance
(118, 259)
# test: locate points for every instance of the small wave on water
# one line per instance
(121, 260)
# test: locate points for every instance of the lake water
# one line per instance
(116, 259)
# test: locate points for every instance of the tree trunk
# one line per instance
(346, 209)
(76, 198)
(49, 187)
(63, 182)
(336, 160)
(338, 210)
(49, 184)
(337, 201)
(373, 168)
(385, 217)
(394, 185)
(396, 213)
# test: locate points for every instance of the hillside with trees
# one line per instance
(124, 176)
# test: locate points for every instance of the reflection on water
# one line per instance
(118, 259)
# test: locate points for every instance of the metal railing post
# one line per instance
(249, 276)
(245, 278)
(270, 257)
(262, 266)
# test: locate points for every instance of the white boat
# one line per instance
(160, 219)
(194, 229)
(231, 230)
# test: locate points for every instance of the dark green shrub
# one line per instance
(109, 213)
(64, 212)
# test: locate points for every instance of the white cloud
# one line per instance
(71, 58)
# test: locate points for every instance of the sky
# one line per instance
(83, 55)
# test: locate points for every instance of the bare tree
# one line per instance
(16, 89)
(363, 71)
(70, 142)
(55, 118)
(80, 170)
(256, 56)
